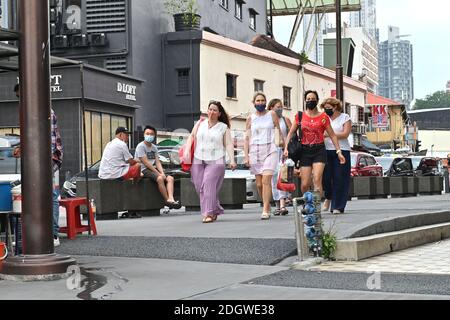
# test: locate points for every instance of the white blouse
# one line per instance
(210, 143)
(338, 127)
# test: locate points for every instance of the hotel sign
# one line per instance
(128, 89)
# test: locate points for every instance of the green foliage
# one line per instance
(188, 7)
(329, 242)
(439, 99)
(303, 58)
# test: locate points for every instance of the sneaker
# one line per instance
(56, 242)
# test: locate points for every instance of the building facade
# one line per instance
(448, 86)
(126, 36)
(243, 69)
(395, 64)
(366, 18)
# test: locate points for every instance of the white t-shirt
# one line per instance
(114, 160)
(209, 144)
(143, 149)
(338, 127)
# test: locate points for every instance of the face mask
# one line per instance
(329, 112)
(311, 105)
(260, 107)
(149, 139)
(279, 112)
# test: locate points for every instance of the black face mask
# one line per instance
(329, 112)
(311, 105)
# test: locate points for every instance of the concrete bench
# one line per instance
(231, 196)
(430, 185)
(113, 196)
(403, 186)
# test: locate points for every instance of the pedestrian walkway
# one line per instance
(433, 258)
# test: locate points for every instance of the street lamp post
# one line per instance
(38, 259)
(339, 67)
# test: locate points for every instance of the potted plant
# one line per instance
(185, 14)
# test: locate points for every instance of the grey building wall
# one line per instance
(140, 49)
(181, 51)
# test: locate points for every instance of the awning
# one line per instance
(373, 99)
(369, 145)
(291, 7)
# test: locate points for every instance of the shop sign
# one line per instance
(55, 85)
(128, 89)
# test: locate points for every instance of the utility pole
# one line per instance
(339, 68)
(38, 259)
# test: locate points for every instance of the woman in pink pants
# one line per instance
(213, 141)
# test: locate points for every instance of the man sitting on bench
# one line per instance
(151, 167)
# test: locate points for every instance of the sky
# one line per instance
(429, 27)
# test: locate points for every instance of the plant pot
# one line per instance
(186, 21)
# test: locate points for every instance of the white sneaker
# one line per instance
(56, 242)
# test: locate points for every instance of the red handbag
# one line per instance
(186, 164)
(284, 186)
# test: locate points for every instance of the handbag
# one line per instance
(186, 164)
(295, 144)
(283, 181)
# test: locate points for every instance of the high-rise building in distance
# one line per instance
(395, 60)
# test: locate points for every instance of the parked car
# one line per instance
(426, 166)
(242, 172)
(169, 160)
(365, 165)
(396, 166)
(9, 166)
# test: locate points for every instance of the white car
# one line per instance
(243, 172)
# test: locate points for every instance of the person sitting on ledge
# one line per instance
(151, 167)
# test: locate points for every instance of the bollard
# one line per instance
(299, 231)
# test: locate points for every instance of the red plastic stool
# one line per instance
(73, 214)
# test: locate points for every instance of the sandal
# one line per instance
(208, 219)
(277, 212)
(173, 205)
(265, 216)
(284, 211)
(326, 205)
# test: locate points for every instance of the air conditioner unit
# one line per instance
(79, 40)
(98, 39)
(60, 41)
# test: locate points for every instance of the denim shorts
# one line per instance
(315, 153)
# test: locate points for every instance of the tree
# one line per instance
(439, 99)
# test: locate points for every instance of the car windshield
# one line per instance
(416, 162)
(8, 164)
(403, 165)
(385, 163)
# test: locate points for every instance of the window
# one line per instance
(231, 85)
(287, 97)
(183, 81)
(253, 14)
(100, 129)
(371, 161)
(259, 85)
(238, 13)
(224, 4)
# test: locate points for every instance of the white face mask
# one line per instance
(149, 138)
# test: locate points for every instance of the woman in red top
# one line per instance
(314, 154)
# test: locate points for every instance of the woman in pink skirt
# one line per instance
(260, 149)
(213, 140)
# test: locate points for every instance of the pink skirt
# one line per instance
(263, 158)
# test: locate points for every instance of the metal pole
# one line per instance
(339, 68)
(299, 231)
(37, 184)
(271, 19)
(86, 173)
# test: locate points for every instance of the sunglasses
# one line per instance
(217, 103)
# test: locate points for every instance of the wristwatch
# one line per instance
(338, 151)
